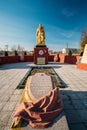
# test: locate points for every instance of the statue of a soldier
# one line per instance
(40, 35)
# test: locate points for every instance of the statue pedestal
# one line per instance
(83, 64)
(40, 55)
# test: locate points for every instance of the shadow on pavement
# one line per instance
(75, 108)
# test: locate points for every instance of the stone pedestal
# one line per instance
(84, 57)
(40, 55)
(83, 62)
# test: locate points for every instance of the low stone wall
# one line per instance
(82, 66)
(15, 59)
(9, 59)
(30, 58)
(51, 58)
(69, 59)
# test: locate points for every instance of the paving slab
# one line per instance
(78, 126)
(10, 77)
(40, 84)
(74, 95)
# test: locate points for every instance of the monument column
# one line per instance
(40, 51)
(84, 57)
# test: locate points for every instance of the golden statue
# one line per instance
(40, 35)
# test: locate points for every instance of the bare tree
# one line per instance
(6, 47)
(83, 41)
(20, 48)
(17, 48)
(0, 49)
(14, 48)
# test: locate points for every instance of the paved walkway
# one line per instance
(74, 95)
(10, 76)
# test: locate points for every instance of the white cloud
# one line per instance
(68, 13)
(66, 34)
(59, 32)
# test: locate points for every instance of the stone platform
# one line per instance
(74, 96)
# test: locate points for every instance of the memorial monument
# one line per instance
(40, 51)
(84, 57)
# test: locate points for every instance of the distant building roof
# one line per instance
(73, 50)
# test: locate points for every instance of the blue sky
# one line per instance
(63, 21)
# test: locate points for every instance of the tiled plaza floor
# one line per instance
(10, 77)
(74, 95)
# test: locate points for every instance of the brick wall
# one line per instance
(30, 58)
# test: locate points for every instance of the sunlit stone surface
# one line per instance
(40, 85)
(84, 57)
